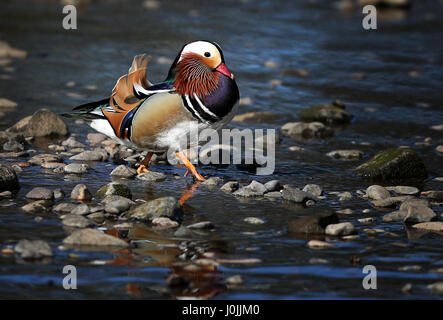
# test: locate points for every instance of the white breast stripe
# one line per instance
(204, 107)
(139, 89)
(192, 107)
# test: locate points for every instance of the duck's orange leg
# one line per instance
(142, 166)
(189, 165)
(188, 192)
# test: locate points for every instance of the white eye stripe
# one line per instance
(199, 47)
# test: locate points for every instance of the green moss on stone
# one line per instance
(400, 163)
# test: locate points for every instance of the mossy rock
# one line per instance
(114, 189)
(161, 207)
(394, 164)
(329, 113)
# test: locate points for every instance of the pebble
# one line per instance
(307, 130)
(36, 206)
(436, 287)
(254, 189)
(345, 211)
(297, 195)
(439, 149)
(152, 176)
(33, 249)
(413, 268)
(77, 221)
(340, 229)
(90, 155)
(212, 181)
(313, 189)
(117, 206)
(8, 178)
(93, 237)
(161, 207)
(255, 117)
(64, 208)
(254, 220)
(124, 171)
(45, 123)
(366, 220)
(312, 224)
(377, 192)
(317, 244)
(45, 158)
(81, 209)
(404, 190)
(416, 214)
(389, 202)
(114, 189)
(230, 187)
(97, 217)
(72, 143)
(346, 154)
(40, 194)
(344, 196)
(95, 138)
(434, 195)
(202, 225)
(81, 193)
(165, 222)
(407, 288)
(274, 195)
(234, 280)
(76, 168)
(318, 261)
(6, 195)
(430, 226)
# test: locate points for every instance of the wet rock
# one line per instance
(45, 158)
(344, 196)
(92, 237)
(64, 208)
(298, 196)
(90, 155)
(161, 207)
(254, 189)
(333, 113)
(81, 193)
(439, 149)
(417, 214)
(389, 202)
(38, 206)
(340, 229)
(307, 130)
(255, 117)
(234, 280)
(345, 211)
(229, 187)
(273, 185)
(273, 195)
(436, 287)
(81, 209)
(8, 178)
(97, 217)
(434, 195)
(400, 163)
(254, 220)
(395, 216)
(76, 168)
(114, 189)
(202, 225)
(313, 189)
(413, 202)
(58, 193)
(21, 125)
(314, 224)
(33, 249)
(7, 104)
(366, 220)
(346, 154)
(317, 244)
(212, 181)
(152, 176)
(72, 143)
(404, 190)
(40, 194)
(77, 221)
(6, 51)
(165, 223)
(44, 122)
(376, 192)
(430, 226)
(13, 146)
(117, 206)
(95, 138)
(114, 197)
(6, 195)
(413, 268)
(124, 171)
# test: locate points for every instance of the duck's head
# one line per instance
(198, 68)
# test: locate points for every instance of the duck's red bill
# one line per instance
(223, 69)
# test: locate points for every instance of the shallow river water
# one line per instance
(390, 79)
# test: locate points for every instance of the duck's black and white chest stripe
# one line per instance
(214, 107)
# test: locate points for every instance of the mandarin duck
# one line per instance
(198, 90)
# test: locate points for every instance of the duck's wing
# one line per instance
(128, 93)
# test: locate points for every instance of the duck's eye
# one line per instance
(207, 54)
